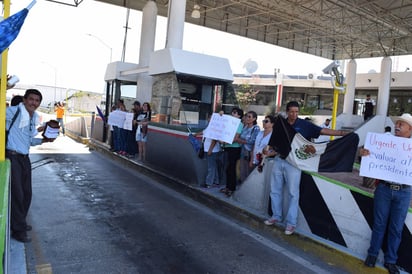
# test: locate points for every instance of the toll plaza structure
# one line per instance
(185, 97)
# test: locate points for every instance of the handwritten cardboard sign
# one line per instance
(51, 130)
(128, 121)
(390, 158)
(117, 118)
(222, 128)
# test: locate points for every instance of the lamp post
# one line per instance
(102, 42)
(55, 78)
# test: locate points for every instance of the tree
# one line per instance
(246, 95)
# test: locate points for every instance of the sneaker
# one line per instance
(270, 221)
(392, 268)
(289, 230)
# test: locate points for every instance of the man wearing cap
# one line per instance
(391, 204)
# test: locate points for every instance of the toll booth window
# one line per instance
(228, 99)
(128, 95)
(185, 100)
(128, 91)
(118, 89)
(197, 104)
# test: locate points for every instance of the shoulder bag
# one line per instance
(11, 125)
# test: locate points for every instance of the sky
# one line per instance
(54, 46)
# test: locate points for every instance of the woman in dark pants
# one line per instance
(232, 155)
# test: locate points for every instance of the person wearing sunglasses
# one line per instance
(262, 140)
(247, 140)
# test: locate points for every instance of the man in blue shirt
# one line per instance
(21, 121)
(284, 173)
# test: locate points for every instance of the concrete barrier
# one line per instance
(332, 212)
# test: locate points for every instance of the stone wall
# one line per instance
(166, 100)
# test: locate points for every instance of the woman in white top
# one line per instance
(262, 140)
(142, 121)
(247, 140)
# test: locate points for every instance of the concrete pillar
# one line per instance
(384, 87)
(175, 24)
(350, 87)
(147, 44)
(144, 88)
(148, 33)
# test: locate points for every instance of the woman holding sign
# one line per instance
(232, 155)
(391, 204)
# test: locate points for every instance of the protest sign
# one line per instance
(128, 121)
(51, 129)
(390, 158)
(222, 128)
(117, 118)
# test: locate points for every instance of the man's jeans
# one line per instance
(61, 123)
(389, 206)
(284, 173)
(213, 162)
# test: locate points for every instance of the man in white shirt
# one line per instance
(21, 122)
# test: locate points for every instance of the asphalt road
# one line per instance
(91, 215)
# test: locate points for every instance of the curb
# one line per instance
(17, 257)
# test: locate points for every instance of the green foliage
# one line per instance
(305, 110)
(230, 97)
(271, 109)
(246, 95)
(79, 94)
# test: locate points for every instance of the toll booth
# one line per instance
(184, 89)
(188, 87)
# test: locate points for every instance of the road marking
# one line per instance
(278, 248)
(44, 269)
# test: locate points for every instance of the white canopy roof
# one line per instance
(191, 63)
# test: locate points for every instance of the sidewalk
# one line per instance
(17, 264)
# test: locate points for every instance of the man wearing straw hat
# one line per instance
(391, 204)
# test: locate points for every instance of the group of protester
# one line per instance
(130, 140)
(224, 159)
(251, 144)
